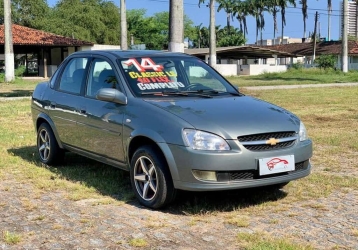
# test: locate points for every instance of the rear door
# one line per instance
(66, 100)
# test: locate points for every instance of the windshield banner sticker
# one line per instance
(160, 85)
(145, 64)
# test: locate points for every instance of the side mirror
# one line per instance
(111, 95)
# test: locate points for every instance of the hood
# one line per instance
(231, 117)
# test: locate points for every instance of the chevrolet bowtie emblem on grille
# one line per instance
(272, 141)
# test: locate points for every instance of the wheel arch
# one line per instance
(43, 118)
(139, 140)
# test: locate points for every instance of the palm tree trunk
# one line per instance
(282, 27)
(228, 22)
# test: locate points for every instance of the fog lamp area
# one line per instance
(205, 175)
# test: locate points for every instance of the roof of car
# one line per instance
(132, 53)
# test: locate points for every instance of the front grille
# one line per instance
(254, 174)
(266, 136)
(258, 142)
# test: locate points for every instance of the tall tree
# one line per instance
(30, 13)
(273, 8)
(256, 8)
(212, 49)
(283, 5)
(241, 11)
(90, 20)
(329, 9)
(304, 15)
(228, 7)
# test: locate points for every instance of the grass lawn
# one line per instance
(330, 115)
(295, 76)
(20, 87)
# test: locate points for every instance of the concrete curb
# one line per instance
(301, 86)
(4, 99)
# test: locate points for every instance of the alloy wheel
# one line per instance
(44, 144)
(145, 178)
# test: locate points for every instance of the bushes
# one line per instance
(20, 71)
(326, 61)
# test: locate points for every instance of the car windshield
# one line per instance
(180, 76)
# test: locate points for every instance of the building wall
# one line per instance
(100, 47)
(227, 69)
(255, 69)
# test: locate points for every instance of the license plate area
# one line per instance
(277, 164)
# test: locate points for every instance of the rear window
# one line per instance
(160, 74)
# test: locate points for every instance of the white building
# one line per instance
(280, 40)
(352, 19)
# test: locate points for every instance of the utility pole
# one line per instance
(9, 50)
(329, 22)
(314, 37)
(212, 48)
(124, 42)
(345, 37)
(176, 26)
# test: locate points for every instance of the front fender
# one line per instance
(161, 143)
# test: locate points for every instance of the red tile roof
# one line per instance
(306, 49)
(26, 36)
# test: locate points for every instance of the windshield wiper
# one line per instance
(213, 91)
(176, 92)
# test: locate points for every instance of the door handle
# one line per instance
(52, 105)
(82, 111)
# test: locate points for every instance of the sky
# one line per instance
(294, 20)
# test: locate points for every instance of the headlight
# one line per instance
(201, 140)
(303, 132)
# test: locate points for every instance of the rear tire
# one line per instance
(47, 147)
(150, 178)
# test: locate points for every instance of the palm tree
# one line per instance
(273, 8)
(256, 8)
(212, 48)
(241, 11)
(228, 7)
(253, 11)
(304, 14)
(283, 4)
(329, 8)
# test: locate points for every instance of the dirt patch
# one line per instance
(48, 220)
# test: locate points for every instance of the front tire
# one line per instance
(150, 178)
(47, 147)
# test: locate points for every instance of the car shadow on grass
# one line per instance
(115, 183)
(106, 180)
(17, 93)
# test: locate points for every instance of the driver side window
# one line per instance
(101, 76)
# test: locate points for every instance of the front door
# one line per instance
(102, 123)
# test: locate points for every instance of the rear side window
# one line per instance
(73, 75)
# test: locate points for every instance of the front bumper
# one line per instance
(238, 159)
